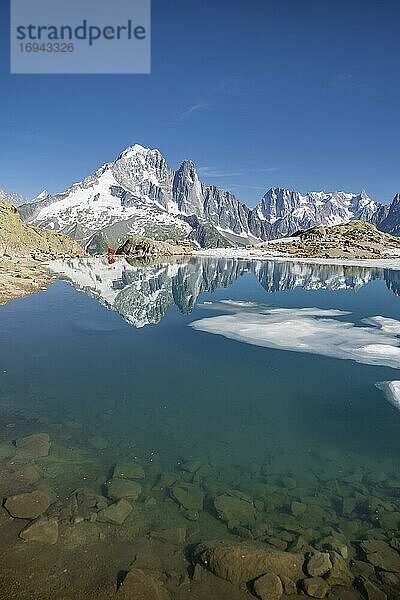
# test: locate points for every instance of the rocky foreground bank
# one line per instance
(118, 521)
(24, 249)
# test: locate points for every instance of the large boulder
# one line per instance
(142, 248)
(242, 562)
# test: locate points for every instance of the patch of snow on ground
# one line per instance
(260, 254)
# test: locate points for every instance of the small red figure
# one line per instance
(110, 253)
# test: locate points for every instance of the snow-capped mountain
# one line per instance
(288, 211)
(139, 194)
(18, 200)
(143, 294)
(12, 198)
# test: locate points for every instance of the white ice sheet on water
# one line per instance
(375, 341)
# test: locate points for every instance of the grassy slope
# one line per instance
(19, 238)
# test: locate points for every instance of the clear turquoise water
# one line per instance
(165, 393)
(63, 353)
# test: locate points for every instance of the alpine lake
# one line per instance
(201, 429)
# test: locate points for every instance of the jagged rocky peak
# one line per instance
(187, 190)
(42, 196)
(276, 203)
(391, 220)
(144, 172)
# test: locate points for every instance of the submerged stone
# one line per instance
(298, 508)
(115, 513)
(369, 590)
(340, 573)
(98, 442)
(319, 564)
(28, 506)
(191, 466)
(359, 567)
(165, 480)
(139, 586)
(316, 587)
(389, 579)
(123, 488)
(7, 450)
(36, 445)
(390, 520)
(43, 530)
(289, 586)
(381, 555)
(188, 495)
(28, 474)
(128, 471)
(235, 508)
(173, 536)
(241, 562)
(268, 587)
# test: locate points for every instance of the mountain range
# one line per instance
(139, 194)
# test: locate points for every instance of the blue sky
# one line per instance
(299, 94)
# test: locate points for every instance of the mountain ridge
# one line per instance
(140, 194)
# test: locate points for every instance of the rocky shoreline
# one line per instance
(20, 277)
(24, 250)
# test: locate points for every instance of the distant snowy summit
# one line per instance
(17, 200)
(12, 198)
(139, 194)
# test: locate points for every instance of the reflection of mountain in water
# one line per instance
(143, 294)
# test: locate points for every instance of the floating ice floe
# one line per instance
(313, 330)
(391, 389)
